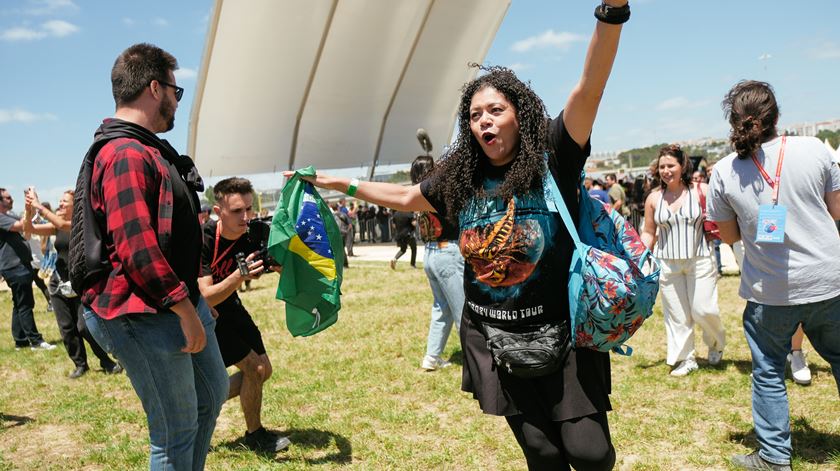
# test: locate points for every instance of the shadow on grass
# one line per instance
(651, 364)
(745, 367)
(809, 444)
(457, 358)
(307, 439)
(16, 420)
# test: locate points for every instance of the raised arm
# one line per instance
(403, 198)
(582, 106)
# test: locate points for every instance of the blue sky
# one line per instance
(676, 61)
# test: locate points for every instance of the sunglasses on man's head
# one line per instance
(179, 92)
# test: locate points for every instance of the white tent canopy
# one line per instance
(332, 83)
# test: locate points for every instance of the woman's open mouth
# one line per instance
(489, 138)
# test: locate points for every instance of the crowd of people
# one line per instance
(150, 281)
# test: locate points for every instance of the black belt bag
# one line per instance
(529, 351)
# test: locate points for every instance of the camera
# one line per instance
(258, 232)
(242, 264)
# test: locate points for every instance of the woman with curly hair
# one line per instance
(688, 282)
(493, 184)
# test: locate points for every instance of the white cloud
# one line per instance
(128, 21)
(160, 22)
(549, 39)
(680, 103)
(185, 73)
(59, 28)
(765, 56)
(18, 115)
(49, 7)
(52, 28)
(826, 50)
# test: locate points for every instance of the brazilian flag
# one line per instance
(305, 239)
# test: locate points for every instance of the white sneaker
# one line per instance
(799, 368)
(431, 363)
(715, 356)
(684, 367)
(43, 346)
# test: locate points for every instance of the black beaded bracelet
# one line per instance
(612, 15)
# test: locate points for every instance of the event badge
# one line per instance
(771, 224)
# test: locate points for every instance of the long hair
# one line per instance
(675, 151)
(752, 111)
(460, 175)
(421, 168)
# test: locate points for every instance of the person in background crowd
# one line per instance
(444, 267)
(66, 303)
(240, 340)
(587, 183)
(698, 177)
(147, 309)
(350, 234)
(204, 215)
(673, 231)
(597, 191)
(405, 225)
(362, 216)
(506, 150)
(383, 220)
(791, 269)
(16, 269)
(618, 197)
(344, 225)
(371, 223)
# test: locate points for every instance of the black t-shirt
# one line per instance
(403, 224)
(220, 260)
(516, 271)
(433, 228)
(62, 248)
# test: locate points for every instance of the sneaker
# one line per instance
(431, 363)
(115, 369)
(43, 346)
(78, 372)
(756, 462)
(265, 441)
(393, 264)
(715, 356)
(684, 368)
(799, 368)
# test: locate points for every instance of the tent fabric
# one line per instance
(332, 83)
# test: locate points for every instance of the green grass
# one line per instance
(354, 397)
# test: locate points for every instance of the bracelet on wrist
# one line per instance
(354, 185)
(612, 15)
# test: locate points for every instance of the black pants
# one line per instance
(582, 443)
(404, 243)
(71, 324)
(24, 330)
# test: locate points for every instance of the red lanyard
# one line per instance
(216, 246)
(774, 184)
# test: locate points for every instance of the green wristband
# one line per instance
(354, 185)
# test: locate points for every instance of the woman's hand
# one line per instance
(323, 181)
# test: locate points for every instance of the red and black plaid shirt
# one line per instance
(132, 185)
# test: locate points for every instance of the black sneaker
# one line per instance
(754, 461)
(78, 372)
(265, 441)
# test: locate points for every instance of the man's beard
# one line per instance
(167, 113)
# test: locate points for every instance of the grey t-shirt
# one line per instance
(13, 248)
(806, 267)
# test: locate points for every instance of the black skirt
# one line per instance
(580, 388)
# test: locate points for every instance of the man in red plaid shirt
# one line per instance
(147, 309)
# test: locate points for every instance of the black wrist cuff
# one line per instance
(612, 15)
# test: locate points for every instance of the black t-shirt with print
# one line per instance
(517, 253)
(434, 228)
(220, 260)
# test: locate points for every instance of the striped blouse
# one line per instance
(680, 233)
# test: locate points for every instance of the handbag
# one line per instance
(710, 228)
(529, 351)
(610, 293)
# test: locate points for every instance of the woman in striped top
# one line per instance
(673, 230)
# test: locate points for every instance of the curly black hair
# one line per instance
(460, 171)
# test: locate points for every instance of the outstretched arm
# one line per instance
(403, 198)
(582, 106)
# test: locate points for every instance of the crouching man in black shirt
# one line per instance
(240, 341)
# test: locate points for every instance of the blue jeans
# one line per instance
(768, 330)
(24, 330)
(445, 270)
(182, 393)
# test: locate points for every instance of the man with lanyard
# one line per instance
(791, 269)
(16, 269)
(240, 341)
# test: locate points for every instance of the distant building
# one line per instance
(812, 129)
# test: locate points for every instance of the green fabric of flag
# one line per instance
(305, 239)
